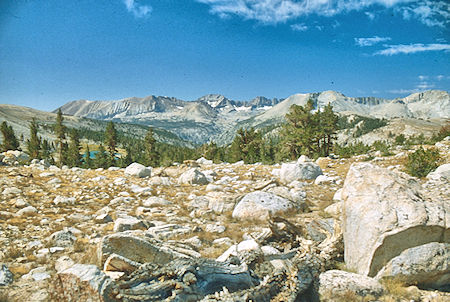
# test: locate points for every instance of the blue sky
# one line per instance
(53, 51)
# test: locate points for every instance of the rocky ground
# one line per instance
(225, 232)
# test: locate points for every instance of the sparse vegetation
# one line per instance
(421, 162)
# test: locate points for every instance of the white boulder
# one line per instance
(138, 170)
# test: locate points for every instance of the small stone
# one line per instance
(126, 223)
(28, 211)
(6, 277)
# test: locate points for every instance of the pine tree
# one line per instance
(111, 141)
(246, 146)
(10, 141)
(101, 158)
(73, 151)
(87, 158)
(151, 156)
(60, 131)
(34, 143)
(47, 152)
(328, 125)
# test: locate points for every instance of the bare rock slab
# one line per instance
(383, 215)
(133, 248)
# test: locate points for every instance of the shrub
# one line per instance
(351, 149)
(400, 139)
(422, 162)
(383, 147)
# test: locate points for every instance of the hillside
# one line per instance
(19, 117)
(215, 117)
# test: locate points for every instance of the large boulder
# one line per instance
(337, 284)
(258, 205)
(427, 265)
(138, 170)
(442, 172)
(193, 177)
(302, 169)
(82, 282)
(384, 214)
(132, 247)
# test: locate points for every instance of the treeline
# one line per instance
(305, 131)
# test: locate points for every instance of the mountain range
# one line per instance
(215, 117)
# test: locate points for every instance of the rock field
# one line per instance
(330, 230)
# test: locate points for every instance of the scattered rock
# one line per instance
(193, 177)
(64, 238)
(83, 283)
(27, 211)
(6, 277)
(258, 205)
(138, 170)
(335, 284)
(126, 223)
(297, 171)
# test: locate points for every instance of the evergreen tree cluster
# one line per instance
(10, 141)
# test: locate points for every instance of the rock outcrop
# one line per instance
(384, 215)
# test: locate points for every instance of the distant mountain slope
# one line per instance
(215, 117)
(19, 117)
(197, 121)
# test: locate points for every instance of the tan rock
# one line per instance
(383, 215)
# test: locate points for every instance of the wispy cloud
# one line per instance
(424, 82)
(299, 27)
(431, 13)
(411, 48)
(370, 41)
(138, 10)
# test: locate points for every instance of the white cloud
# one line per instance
(411, 48)
(138, 10)
(422, 77)
(276, 11)
(299, 27)
(370, 41)
(429, 12)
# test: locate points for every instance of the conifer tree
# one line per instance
(73, 151)
(111, 141)
(10, 141)
(60, 131)
(101, 158)
(246, 146)
(151, 156)
(329, 126)
(308, 133)
(47, 152)
(34, 143)
(87, 158)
